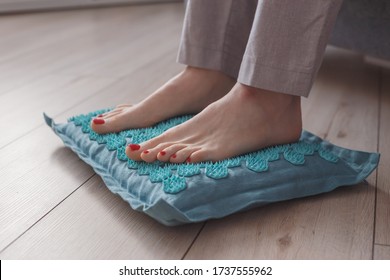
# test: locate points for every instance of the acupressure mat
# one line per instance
(191, 192)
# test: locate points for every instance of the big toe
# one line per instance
(108, 124)
(100, 125)
(112, 121)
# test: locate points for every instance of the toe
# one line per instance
(112, 121)
(134, 151)
(103, 125)
(98, 125)
(120, 108)
(115, 122)
(156, 153)
(184, 155)
(123, 106)
(137, 151)
(200, 155)
(147, 156)
(152, 154)
(155, 142)
(170, 152)
(112, 113)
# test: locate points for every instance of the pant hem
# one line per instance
(198, 56)
(280, 80)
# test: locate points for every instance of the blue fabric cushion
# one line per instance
(191, 192)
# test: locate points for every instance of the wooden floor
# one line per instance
(53, 206)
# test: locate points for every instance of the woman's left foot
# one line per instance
(245, 120)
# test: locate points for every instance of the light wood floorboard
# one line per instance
(95, 224)
(381, 252)
(23, 107)
(382, 230)
(105, 34)
(36, 184)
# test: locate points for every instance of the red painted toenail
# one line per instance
(163, 153)
(146, 152)
(188, 159)
(100, 116)
(134, 147)
(98, 121)
(174, 156)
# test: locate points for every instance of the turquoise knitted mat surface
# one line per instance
(192, 192)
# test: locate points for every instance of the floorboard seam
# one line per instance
(380, 244)
(380, 96)
(193, 241)
(47, 213)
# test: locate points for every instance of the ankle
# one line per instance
(209, 74)
(267, 98)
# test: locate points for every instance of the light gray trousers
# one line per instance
(275, 45)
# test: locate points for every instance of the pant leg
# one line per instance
(215, 34)
(287, 43)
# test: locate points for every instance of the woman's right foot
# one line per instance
(188, 93)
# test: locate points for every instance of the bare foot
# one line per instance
(245, 120)
(188, 93)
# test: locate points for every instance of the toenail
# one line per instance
(134, 147)
(163, 153)
(100, 116)
(146, 152)
(174, 156)
(188, 159)
(98, 121)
